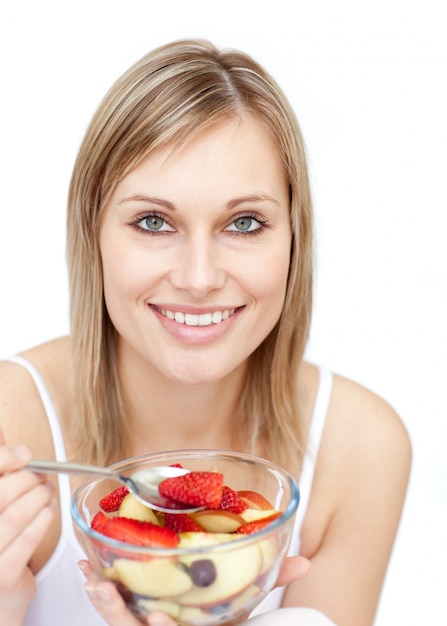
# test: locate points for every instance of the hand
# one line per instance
(26, 512)
(108, 602)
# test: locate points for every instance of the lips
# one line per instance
(202, 319)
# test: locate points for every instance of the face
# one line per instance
(195, 246)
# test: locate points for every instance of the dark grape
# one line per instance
(203, 572)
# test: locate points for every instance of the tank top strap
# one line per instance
(274, 598)
(56, 433)
(321, 406)
(317, 423)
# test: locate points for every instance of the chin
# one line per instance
(200, 373)
(191, 378)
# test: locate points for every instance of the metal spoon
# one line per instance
(142, 484)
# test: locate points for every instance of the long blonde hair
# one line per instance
(171, 94)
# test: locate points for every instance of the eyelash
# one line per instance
(135, 223)
(262, 222)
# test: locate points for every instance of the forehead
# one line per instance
(239, 150)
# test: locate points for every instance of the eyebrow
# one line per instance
(256, 197)
(139, 197)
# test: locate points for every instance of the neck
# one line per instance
(167, 415)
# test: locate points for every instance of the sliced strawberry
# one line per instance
(232, 501)
(194, 489)
(253, 527)
(181, 522)
(112, 501)
(99, 521)
(140, 533)
(176, 465)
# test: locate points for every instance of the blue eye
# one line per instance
(153, 223)
(246, 224)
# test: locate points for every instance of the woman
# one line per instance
(190, 264)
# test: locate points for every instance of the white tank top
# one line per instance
(60, 597)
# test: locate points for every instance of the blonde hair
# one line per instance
(171, 94)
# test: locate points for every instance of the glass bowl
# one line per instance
(210, 577)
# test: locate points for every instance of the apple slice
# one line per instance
(194, 539)
(269, 551)
(247, 599)
(235, 571)
(111, 573)
(253, 515)
(165, 606)
(157, 578)
(133, 508)
(218, 520)
(255, 500)
(194, 615)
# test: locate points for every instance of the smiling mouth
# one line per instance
(204, 319)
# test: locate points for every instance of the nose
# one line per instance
(199, 268)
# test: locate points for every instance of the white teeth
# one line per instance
(191, 320)
(204, 319)
(217, 317)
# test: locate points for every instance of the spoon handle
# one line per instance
(56, 467)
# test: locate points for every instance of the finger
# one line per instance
(15, 484)
(12, 458)
(160, 619)
(16, 556)
(293, 568)
(18, 518)
(87, 570)
(100, 598)
(109, 604)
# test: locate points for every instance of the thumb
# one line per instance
(293, 568)
(160, 619)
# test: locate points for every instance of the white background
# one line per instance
(368, 82)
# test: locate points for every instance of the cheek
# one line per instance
(126, 270)
(269, 279)
(122, 286)
(116, 275)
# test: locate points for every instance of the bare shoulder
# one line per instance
(367, 448)
(358, 419)
(366, 425)
(22, 415)
(364, 441)
(361, 476)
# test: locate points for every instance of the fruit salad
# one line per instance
(206, 577)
